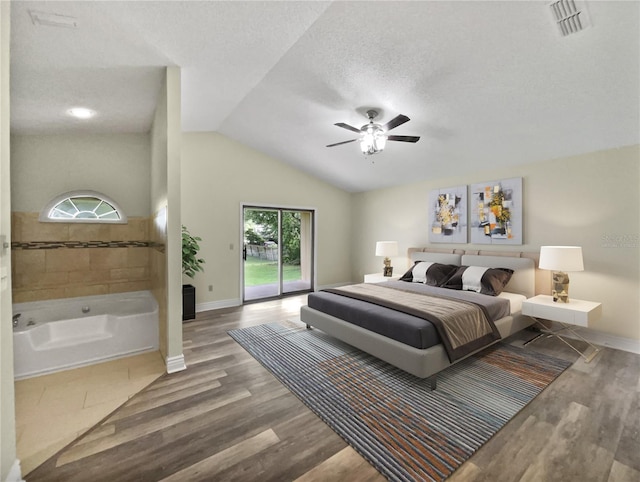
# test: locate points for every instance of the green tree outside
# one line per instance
(267, 222)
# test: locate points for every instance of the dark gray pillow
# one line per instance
(432, 274)
(488, 281)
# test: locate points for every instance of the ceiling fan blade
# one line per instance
(403, 138)
(348, 127)
(395, 122)
(343, 142)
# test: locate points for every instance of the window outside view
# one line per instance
(262, 251)
(84, 208)
(261, 242)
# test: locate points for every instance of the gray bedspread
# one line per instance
(405, 325)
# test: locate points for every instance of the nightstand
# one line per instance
(576, 312)
(379, 278)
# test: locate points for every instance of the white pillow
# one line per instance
(419, 271)
(472, 278)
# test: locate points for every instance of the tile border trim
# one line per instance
(82, 244)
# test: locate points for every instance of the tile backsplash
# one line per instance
(65, 260)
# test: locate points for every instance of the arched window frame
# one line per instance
(48, 209)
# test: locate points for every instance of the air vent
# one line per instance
(53, 19)
(570, 16)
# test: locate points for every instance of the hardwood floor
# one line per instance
(227, 418)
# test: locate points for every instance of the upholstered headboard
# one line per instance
(528, 280)
(444, 258)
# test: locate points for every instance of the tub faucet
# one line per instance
(16, 317)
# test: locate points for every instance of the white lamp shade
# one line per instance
(387, 248)
(561, 258)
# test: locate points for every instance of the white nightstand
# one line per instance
(576, 312)
(379, 278)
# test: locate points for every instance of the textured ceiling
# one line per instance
(486, 84)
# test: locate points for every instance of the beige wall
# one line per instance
(7, 408)
(174, 220)
(590, 200)
(117, 165)
(158, 201)
(166, 262)
(218, 174)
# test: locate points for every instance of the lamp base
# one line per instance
(388, 269)
(560, 290)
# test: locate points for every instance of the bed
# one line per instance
(426, 361)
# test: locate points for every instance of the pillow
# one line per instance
(432, 274)
(488, 281)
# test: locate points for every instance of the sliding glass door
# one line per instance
(277, 252)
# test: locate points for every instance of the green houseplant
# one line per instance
(191, 264)
(190, 247)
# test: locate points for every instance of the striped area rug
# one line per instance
(392, 418)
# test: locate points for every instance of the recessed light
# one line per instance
(81, 112)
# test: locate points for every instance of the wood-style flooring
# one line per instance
(226, 418)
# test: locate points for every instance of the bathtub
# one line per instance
(67, 333)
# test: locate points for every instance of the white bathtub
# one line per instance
(67, 333)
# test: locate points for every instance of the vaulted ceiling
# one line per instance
(486, 84)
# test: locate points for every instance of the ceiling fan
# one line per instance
(373, 137)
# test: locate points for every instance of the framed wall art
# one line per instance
(448, 215)
(496, 212)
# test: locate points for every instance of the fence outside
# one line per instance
(262, 252)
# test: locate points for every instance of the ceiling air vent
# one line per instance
(570, 16)
(53, 19)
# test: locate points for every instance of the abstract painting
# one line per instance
(496, 212)
(448, 215)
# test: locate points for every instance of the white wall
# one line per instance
(218, 174)
(589, 200)
(8, 464)
(117, 165)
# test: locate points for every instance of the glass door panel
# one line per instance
(297, 253)
(261, 254)
(277, 253)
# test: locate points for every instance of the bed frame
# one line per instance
(426, 363)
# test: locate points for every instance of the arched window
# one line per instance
(82, 207)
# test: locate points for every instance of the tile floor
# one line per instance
(52, 410)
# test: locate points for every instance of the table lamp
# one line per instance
(560, 259)
(386, 249)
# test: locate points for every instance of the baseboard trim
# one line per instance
(610, 341)
(15, 474)
(595, 337)
(216, 305)
(175, 364)
(230, 303)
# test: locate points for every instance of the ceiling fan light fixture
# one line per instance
(373, 141)
(373, 137)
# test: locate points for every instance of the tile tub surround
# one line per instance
(25, 227)
(66, 260)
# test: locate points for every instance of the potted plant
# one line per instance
(191, 264)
